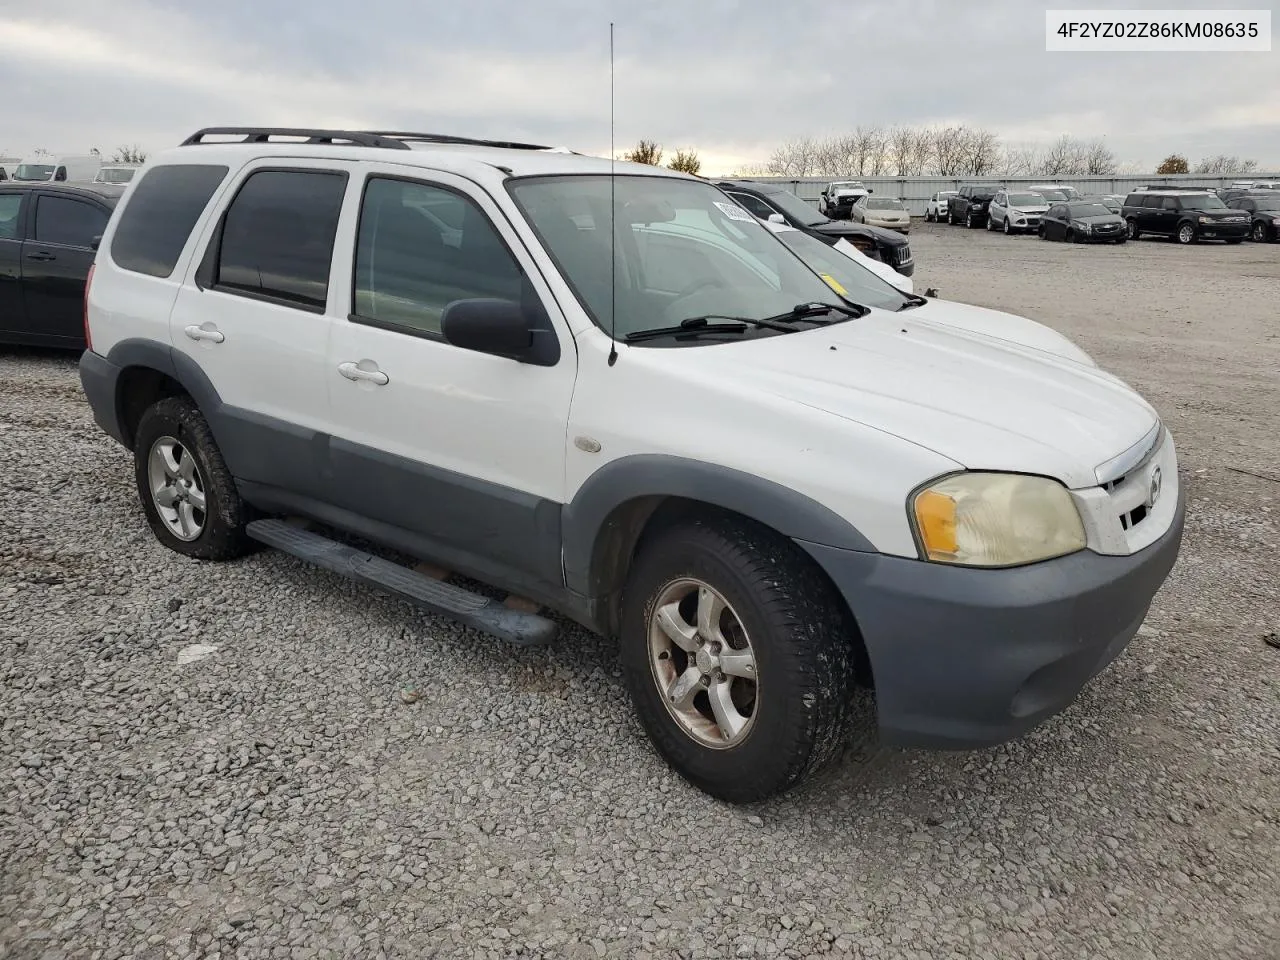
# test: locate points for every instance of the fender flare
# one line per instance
(161, 357)
(652, 477)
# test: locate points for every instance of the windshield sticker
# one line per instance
(733, 211)
(834, 284)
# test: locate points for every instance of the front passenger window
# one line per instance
(420, 248)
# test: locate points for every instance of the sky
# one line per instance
(729, 78)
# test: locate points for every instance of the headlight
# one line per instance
(1276, 220)
(1081, 225)
(1206, 219)
(996, 520)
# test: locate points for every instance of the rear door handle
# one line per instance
(41, 255)
(206, 331)
(365, 370)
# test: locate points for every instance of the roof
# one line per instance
(110, 192)
(476, 159)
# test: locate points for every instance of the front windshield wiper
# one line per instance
(697, 326)
(913, 300)
(807, 311)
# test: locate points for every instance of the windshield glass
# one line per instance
(794, 207)
(1089, 210)
(885, 204)
(115, 175)
(683, 250)
(33, 171)
(1052, 196)
(1026, 200)
(847, 185)
(1202, 203)
(852, 280)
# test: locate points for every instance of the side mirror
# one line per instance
(487, 325)
(777, 218)
(870, 190)
(95, 242)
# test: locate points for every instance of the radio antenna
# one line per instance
(613, 207)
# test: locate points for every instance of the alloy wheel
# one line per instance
(177, 489)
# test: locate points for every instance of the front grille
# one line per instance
(898, 256)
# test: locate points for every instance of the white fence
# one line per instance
(916, 191)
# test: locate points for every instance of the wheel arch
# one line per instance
(149, 371)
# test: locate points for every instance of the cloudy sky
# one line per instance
(731, 78)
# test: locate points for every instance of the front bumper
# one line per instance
(966, 658)
(1223, 231)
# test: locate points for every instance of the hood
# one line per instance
(1229, 214)
(846, 228)
(1031, 208)
(1102, 218)
(1008, 327)
(982, 402)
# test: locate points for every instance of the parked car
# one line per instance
(1263, 212)
(1068, 193)
(838, 198)
(116, 172)
(48, 236)
(969, 205)
(788, 235)
(1016, 211)
(1082, 221)
(1187, 216)
(766, 492)
(936, 209)
(855, 278)
(769, 201)
(57, 168)
(1112, 202)
(886, 212)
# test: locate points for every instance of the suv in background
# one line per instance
(49, 233)
(1263, 209)
(771, 201)
(1016, 211)
(1187, 216)
(969, 205)
(615, 393)
(936, 209)
(837, 199)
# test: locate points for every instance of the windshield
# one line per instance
(1089, 210)
(794, 207)
(847, 185)
(34, 171)
(1026, 200)
(1052, 196)
(885, 204)
(852, 280)
(683, 250)
(1202, 203)
(115, 175)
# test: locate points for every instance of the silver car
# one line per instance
(886, 212)
(1016, 211)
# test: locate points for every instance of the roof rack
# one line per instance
(391, 140)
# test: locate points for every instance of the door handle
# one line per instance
(365, 370)
(41, 255)
(206, 331)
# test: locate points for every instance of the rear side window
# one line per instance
(1170, 203)
(277, 236)
(71, 223)
(1133, 200)
(10, 207)
(157, 219)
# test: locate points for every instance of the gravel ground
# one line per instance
(261, 760)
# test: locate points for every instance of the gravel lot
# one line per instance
(339, 776)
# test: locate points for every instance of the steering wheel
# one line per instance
(697, 285)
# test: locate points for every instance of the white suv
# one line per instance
(689, 439)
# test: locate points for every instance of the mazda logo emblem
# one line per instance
(1156, 481)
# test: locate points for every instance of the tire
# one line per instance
(1259, 233)
(1131, 228)
(796, 631)
(988, 226)
(928, 216)
(1008, 230)
(1186, 234)
(1042, 233)
(1120, 241)
(951, 218)
(1070, 236)
(175, 426)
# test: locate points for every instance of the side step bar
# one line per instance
(473, 610)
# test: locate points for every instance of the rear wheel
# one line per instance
(1042, 233)
(1186, 234)
(951, 218)
(1070, 237)
(1131, 228)
(187, 492)
(739, 657)
(1260, 232)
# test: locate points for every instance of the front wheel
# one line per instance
(1008, 228)
(951, 218)
(739, 657)
(1131, 229)
(1042, 233)
(187, 492)
(1260, 232)
(1070, 237)
(1186, 234)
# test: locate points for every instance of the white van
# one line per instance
(81, 169)
(116, 172)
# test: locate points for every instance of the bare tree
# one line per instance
(949, 150)
(646, 151)
(129, 154)
(982, 152)
(1066, 156)
(795, 158)
(1225, 164)
(875, 151)
(1098, 158)
(1021, 161)
(902, 150)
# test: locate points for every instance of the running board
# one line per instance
(471, 609)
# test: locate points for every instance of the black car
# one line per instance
(971, 204)
(1187, 216)
(768, 200)
(49, 235)
(1263, 208)
(1082, 221)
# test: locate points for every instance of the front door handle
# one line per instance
(41, 255)
(365, 370)
(206, 331)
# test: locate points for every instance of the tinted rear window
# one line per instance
(69, 222)
(164, 206)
